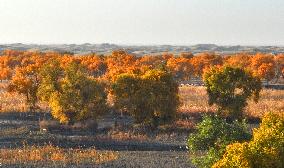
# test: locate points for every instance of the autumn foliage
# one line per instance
(26, 73)
(264, 66)
(151, 98)
(266, 149)
(71, 94)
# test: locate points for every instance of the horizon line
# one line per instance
(142, 44)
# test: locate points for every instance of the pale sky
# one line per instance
(176, 22)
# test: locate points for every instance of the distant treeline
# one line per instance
(184, 67)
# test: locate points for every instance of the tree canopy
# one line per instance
(229, 88)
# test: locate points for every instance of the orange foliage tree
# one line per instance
(119, 62)
(180, 67)
(263, 65)
(279, 60)
(26, 81)
(205, 60)
(148, 62)
(187, 55)
(5, 73)
(95, 64)
(242, 60)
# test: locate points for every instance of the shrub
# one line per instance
(229, 88)
(149, 98)
(265, 150)
(212, 136)
(72, 95)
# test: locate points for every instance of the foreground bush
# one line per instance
(49, 154)
(151, 98)
(211, 138)
(265, 150)
(229, 88)
(71, 94)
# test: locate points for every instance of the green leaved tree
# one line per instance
(230, 88)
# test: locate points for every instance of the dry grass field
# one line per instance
(14, 102)
(49, 154)
(11, 102)
(194, 100)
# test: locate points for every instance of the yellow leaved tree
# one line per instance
(71, 93)
(151, 98)
(265, 150)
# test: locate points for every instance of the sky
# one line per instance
(143, 22)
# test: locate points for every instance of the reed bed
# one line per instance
(49, 154)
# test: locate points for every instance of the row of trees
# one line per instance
(146, 86)
(183, 66)
(76, 89)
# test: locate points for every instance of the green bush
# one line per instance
(151, 98)
(229, 88)
(211, 138)
(265, 150)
